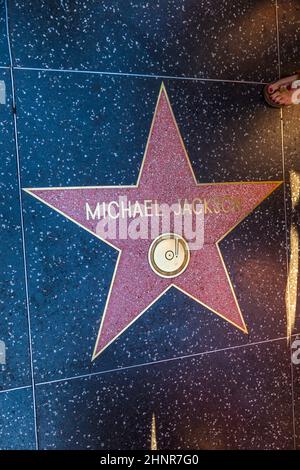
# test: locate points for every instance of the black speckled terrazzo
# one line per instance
(13, 318)
(228, 39)
(17, 420)
(289, 30)
(247, 385)
(4, 55)
(86, 76)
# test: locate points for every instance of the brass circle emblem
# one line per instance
(169, 255)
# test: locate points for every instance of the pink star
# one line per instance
(166, 176)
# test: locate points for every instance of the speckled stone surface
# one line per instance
(4, 56)
(17, 422)
(232, 39)
(82, 129)
(78, 115)
(221, 123)
(13, 318)
(289, 30)
(224, 400)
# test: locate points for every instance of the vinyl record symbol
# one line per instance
(169, 255)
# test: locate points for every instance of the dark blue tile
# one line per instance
(232, 39)
(229, 132)
(90, 129)
(17, 420)
(237, 399)
(289, 30)
(13, 317)
(70, 271)
(4, 55)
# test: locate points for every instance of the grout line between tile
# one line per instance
(138, 75)
(22, 225)
(23, 387)
(151, 363)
